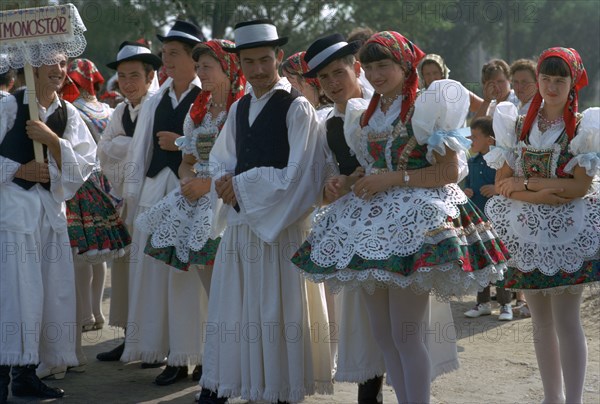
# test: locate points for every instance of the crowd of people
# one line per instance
(248, 203)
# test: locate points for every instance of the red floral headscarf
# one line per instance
(299, 65)
(84, 74)
(408, 55)
(231, 66)
(579, 80)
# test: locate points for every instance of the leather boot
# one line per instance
(368, 392)
(171, 374)
(209, 397)
(26, 383)
(112, 355)
(4, 382)
(197, 373)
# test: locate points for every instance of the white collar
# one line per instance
(282, 84)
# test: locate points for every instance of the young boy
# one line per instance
(135, 66)
(479, 186)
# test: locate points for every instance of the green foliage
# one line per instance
(465, 32)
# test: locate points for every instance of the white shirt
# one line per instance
(271, 199)
(21, 208)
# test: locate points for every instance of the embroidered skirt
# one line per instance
(552, 248)
(95, 228)
(179, 231)
(432, 240)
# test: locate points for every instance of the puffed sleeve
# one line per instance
(505, 119)
(270, 199)
(78, 157)
(439, 118)
(585, 146)
(354, 110)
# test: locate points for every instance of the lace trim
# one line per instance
(176, 222)
(544, 237)
(445, 281)
(45, 49)
(394, 222)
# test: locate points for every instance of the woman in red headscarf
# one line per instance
(549, 214)
(406, 229)
(293, 68)
(179, 225)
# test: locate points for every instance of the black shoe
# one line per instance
(112, 355)
(369, 391)
(209, 397)
(4, 382)
(152, 365)
(197, 373)
(26, 383)
(171, 374)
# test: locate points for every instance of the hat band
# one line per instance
(174, 33)
(325, 53)
(255, 33)
(130, 50)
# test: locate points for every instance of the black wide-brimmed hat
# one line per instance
(255, 34)
(184, 31)
(129, 51)
(325, 50)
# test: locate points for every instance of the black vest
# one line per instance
(18, 147)
(336, 140)
(128, 124)
(168, 119)
(265, 143)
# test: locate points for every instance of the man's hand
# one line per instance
(34, 172)
(468, 192)
(336, 187)
(194, 188)
(166, 140)
(40, 132)
(224, 188)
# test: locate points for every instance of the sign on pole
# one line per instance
(31, 37)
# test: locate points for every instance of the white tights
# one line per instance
(560, 345)
(397, 318)
(89, 282)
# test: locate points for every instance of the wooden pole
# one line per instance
(34, 114)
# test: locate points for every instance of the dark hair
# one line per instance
(431, 62)
(373, 52)
(203, 49)
(360, 34)
(523, 64)
(492, 67)
(555, 66)
(6, 78)
(188, 47)
(484, 124)
(147, 68)
(286, 66)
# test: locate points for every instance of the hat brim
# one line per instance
(349, 49)
(278, 42)
(149, 58)
(179, 39)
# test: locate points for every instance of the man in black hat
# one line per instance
(37, 285)
(331, 60)
(269, 161)
(164, 307)
(135, 66)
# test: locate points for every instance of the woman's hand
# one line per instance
(368, 186)
(507, 186)
(194, 188)
(548, 196)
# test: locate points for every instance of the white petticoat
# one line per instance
(544, 237)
